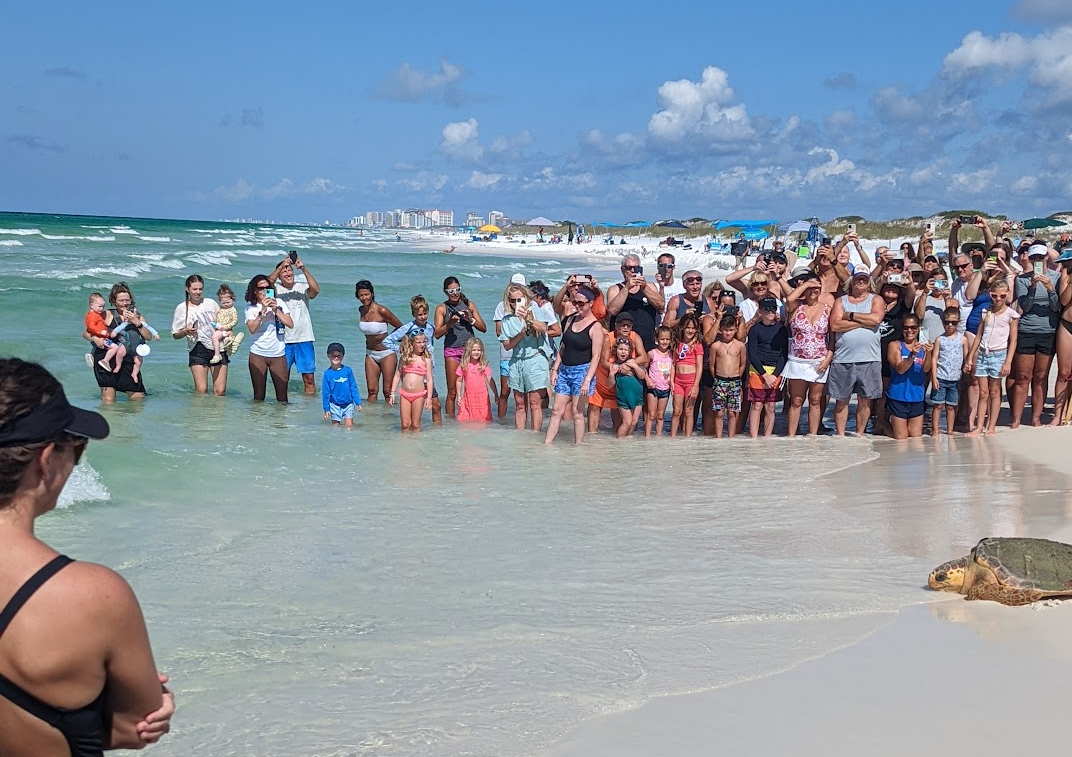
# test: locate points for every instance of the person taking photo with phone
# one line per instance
(639, 297)
(299, 349)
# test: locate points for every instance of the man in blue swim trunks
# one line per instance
(299, 340)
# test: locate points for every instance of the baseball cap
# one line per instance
(336, 347)
(1065, 256)
(932, 257)
(47, 420)
(519, 278)
(769, 304)
(861, 273)
(1036, 251)
(914, 268)
(623, 318)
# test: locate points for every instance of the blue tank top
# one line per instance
(910, 386)
(979, 304)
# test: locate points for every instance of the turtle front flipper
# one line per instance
(1006, 595)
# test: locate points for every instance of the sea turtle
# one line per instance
(1012, 571)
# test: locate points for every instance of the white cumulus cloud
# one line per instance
(700, 110)
(408, 84)
(1046, 59)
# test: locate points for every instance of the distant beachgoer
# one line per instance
(456, 320)
(414, 381)
(122, 311)
(339, 389)
(856, 367)
(224, 339)
(76, 667)
(192, 320)
(573, 373)
(418, 308)
(910, 361)
(376, 321)
(265, 318)
(299, 339)
(475, 379)
(639, 297)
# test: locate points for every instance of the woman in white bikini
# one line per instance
(376, 323)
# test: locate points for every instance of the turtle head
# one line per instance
(949, 576)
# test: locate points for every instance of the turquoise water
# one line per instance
(462, 592)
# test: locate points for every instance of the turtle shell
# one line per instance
(1027, 563)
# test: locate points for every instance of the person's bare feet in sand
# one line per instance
(974, 432)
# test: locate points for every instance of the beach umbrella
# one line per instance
(490, 228)
(796, 226)
(637, 225)
(671, 224)
(1042, 223)
(541, 221)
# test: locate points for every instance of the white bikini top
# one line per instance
(372, 328)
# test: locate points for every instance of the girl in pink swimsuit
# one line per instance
(416, 379)
(688, 366)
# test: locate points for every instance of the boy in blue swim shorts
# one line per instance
(339, 389)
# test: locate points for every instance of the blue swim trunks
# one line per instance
(504, 367)
(570, 378)
(301, 355)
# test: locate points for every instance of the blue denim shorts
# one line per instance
(571, 377)
(989, 363)
(339, 413)
(947, 393)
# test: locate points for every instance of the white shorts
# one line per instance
(805, 370)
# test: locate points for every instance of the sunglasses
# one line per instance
(962, 266)
(684, 352)
(632, 268)
(951, 323)
(515, 300)
(578, 303)
(910, 328)
(693, 280)
(261, 289)
(453, 290)
(758, 286)
(665, 266)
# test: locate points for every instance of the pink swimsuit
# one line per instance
(809, 339)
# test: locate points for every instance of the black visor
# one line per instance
(50, 419)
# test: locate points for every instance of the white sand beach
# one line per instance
(945, 677)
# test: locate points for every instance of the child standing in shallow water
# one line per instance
(728, 359)
(474, 373)
(688, 368)
(660, 378)
(415, 377)
(628, 377)
(339, 389)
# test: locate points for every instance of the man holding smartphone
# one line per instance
(641, 298)
(300, 351)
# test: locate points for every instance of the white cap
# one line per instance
(519, 278)
(142, 350)
(1037, 251)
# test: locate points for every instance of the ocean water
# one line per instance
(316, 591)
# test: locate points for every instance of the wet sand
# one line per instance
(945, 677)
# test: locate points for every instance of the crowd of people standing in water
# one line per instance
(917, 343)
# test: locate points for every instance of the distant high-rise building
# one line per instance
(374, 218)
(494, 216)
(474, 219)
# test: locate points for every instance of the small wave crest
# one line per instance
(84, 485)
(154, 239)
(122, 230)
(73, 238)
(21, 232)
(10, 243)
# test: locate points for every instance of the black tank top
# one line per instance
(457, 333)
(683, 307)
(577, 345)
(83, 728)
(645, 317)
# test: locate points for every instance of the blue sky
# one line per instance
(321, 111)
